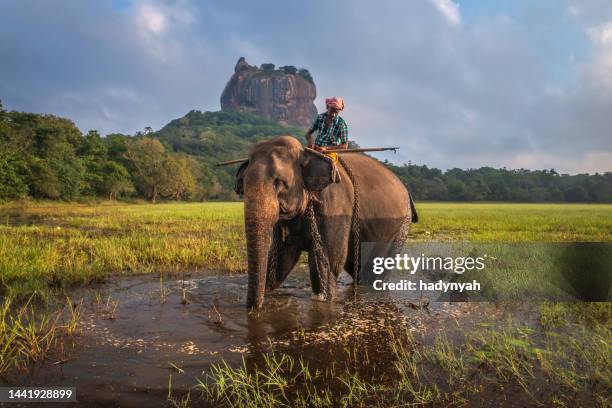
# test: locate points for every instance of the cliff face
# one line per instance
(285, 95)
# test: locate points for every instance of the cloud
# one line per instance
(497, 84)
(602, 34)
(601, 66)
(152, 19)
(158, 16)
(449, 10)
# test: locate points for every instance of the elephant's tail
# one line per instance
(413, 211)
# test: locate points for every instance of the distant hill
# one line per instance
(217, 136)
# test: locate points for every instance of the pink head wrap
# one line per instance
(334, 102)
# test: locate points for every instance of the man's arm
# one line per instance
(309, 140)
(342, 146)
(313, 128)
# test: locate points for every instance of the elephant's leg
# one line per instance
(337, 254)
(387, 245)
(335, 236)
(349, 264)
(288, 255)
(402, 235)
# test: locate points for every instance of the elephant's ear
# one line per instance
(239, 187)
(317, 170)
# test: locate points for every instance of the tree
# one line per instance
(93, 152)
(43, 180)
(178, 181)
(289, 69)
(147, 158)
(12, 176)
(115, 180)
(305, 74)
(267, 67)
(576, 194)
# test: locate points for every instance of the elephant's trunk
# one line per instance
(260, 215)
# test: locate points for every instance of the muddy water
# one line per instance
(137, 332)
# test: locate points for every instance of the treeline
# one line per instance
(489, 184)
(46, 157)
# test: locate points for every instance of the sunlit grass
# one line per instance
(30, 334)
(57, 244)
(60, 244)
(508, 222)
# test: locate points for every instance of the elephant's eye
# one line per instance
(279, 184)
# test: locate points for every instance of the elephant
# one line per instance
(277, 182)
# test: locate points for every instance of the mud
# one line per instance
(137, 332)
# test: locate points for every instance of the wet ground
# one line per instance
(137, 332)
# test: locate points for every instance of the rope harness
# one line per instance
(355, 225)
(321, 261)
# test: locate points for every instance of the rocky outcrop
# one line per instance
(285, 95)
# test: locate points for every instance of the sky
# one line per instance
(454, 83)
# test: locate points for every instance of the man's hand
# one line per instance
(321, 149)
(342, 146)
(309, 140)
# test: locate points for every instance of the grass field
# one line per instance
(560, 359)
(57, 244)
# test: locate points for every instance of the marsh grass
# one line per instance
(541, 365)
(31, 334)
(183, 401)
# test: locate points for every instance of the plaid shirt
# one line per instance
(336, 134)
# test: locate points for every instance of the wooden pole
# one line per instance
(226, 163)
(361, 150)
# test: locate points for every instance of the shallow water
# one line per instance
(137, 331)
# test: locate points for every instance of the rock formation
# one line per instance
(285, 95)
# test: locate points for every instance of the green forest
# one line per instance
(47, 157)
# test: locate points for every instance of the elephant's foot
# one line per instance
(319, 297)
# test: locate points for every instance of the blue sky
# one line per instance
(466, 83)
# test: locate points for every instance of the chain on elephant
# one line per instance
(355, 225)
(321, 261)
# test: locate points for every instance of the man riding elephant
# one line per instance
(332, 129)
(278, 182)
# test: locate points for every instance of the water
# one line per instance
(136, 332)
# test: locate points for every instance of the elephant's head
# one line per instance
(275, 183)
